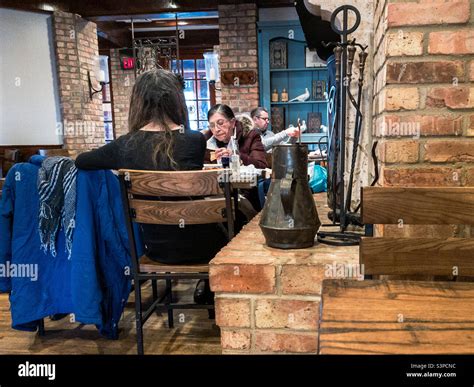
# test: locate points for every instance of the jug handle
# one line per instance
(287, 193)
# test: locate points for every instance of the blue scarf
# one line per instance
(57, 201)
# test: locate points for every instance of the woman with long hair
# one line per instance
(159, 139)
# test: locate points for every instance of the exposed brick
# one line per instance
(235, 339)
(432, 176)
(401, 99)
(302, 279)
(427, 12)
(470, 129)
(232, 312)
(452, 97)
(404, 43)
(293, 342)
(242, 278)
(449, 151)
(291, 314)
(471, 71)
(400, 152)
(452, 42)
(83, 119)
(424, 72)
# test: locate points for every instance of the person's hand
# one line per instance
(292, 132)
(223, 152)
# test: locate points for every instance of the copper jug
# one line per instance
(289, 218)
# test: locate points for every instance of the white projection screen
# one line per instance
(29, 102)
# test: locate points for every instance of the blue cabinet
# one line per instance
(295, 78)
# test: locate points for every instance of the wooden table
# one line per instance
(397, 317)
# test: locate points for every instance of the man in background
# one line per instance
(260, 123)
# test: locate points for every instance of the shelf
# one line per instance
(298, 103)
(299, 69)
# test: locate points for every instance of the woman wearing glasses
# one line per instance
(224, 125)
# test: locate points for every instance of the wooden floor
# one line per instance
(194, 332)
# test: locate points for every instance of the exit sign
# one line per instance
(127, 63)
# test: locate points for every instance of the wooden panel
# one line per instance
(26, 151)
(176, 183)
(397, 317)
(147, 265)
(179, 212)
(424, 256)
(385, 205)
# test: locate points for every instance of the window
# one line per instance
(196, 91)
(108, 120)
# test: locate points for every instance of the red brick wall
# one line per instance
(423, 92)
(76, 53)
(238, 51)
(424, 98)
(122, 85)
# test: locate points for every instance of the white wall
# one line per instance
(29, 102)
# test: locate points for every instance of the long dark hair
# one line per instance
(157, 97)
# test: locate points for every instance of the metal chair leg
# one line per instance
(41, 331)
(154, 288)
(169, 300)
(211, 313)
(138, 318)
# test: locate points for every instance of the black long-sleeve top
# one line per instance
(167, 244)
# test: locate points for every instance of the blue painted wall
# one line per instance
(295, 79)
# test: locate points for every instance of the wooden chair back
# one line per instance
(147, 192)
(419, 255)
(9, 158)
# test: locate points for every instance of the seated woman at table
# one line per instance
(224, 125)
(158, 139)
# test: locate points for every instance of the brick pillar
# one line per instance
(122, 85)
(76, 52)
(238, 51)
(424, 94)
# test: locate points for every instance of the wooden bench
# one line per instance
(432, 317)
(397, 317)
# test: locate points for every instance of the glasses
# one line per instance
(219, 123)
(264, 118)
